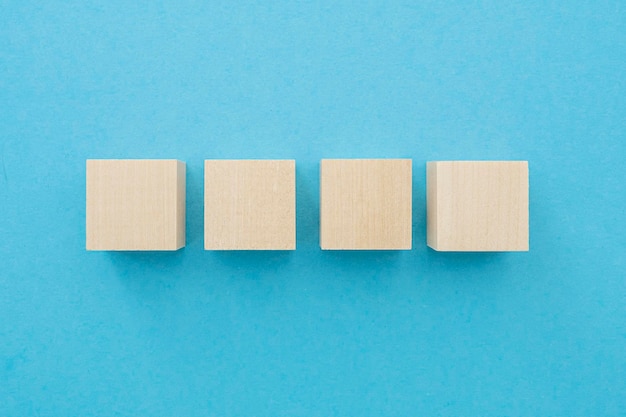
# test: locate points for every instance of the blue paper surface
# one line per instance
(312, 333)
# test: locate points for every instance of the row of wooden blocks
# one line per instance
(365, 204)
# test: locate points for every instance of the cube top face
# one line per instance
(365, 204)
(478, 206)
(135, 205)
(249, 205)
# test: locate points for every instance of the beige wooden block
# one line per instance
(477, 206)
(249, 204)
(365, 204)
(135, 204)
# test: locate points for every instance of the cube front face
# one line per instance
(478, 206)
(249, 205)
(365, 204)
(135, 205)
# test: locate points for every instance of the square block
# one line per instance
(477, 206)
(365, 204)
(249, 204)
(135, 204)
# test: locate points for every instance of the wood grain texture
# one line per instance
(365, 204)
(477, 206)
(135, 205)
(249, 205)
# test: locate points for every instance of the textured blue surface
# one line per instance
(312, 333)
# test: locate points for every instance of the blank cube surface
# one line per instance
(249, 205)
(477, 206)
(135, 205)
(365, 204)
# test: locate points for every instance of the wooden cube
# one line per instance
(477, 206)
(249, 205)
(135, 205)
(365, 204)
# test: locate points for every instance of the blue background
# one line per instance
(312, 333)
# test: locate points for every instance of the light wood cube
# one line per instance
(477, 206)
(365, 204)
(250, 205)
(135, 205)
